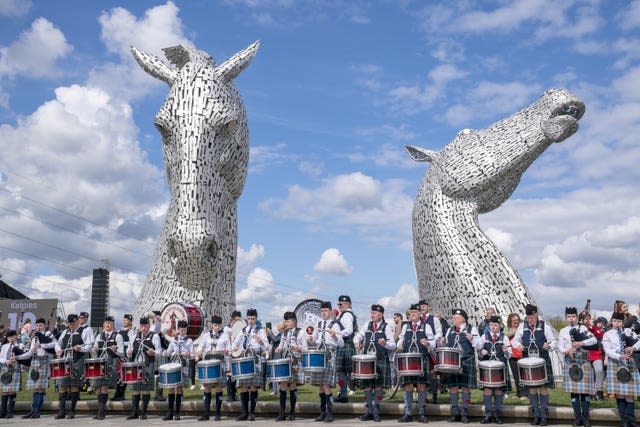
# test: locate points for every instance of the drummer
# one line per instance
(42, 349)
(466, 337)
(378, 339)
(233, 330)
(111, 346)
(213, 345)
(293, 341)
(347, 321)
(74, 343)
(254, 340)
(416, 336)
(327, 335)
(127, 321)
(535, 338)
(495, 345)
(618, 347)
(145, 347)
(181, 351)
(10, 353)
(573, 341)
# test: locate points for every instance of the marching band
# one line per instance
(334, 351)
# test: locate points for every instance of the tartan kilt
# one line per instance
(343, 358)
(148, 383)
(258, 379)
(426, 373)
(632, 388)
(327, 377)
(16, 381)
(466, 379)
(383, 376)
(159, 360)
(77, 375)
(587, 385)
(40, 364)
(111, 379)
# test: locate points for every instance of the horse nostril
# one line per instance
(171, 252)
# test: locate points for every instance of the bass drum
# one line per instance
(174, 312)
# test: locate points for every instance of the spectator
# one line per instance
(513, 321)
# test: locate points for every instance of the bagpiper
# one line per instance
(124, 332)
(109, 346)
(145, 346)
(292, 343)
(180, 349)
(326, 335)
(495, 345)
(10, 354)
(347, 321)
(377, 338)
(42, 349)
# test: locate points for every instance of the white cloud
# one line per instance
(247, 258)
(260, 285)
(313, 169)
(630, 17)
(333, 262)
(15, 7)
(35, 52)
(502, 239)
(406, 295)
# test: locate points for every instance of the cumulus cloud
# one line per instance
(35, 52)
(15, 7)
(630, 17)
(259, 285)
(406, 295)
(249, 257)
(333, 262)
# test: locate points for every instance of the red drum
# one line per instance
(363, 366)
(190, 313)
(410, 364)
(448, 360)
(132, 372)
(491, 373)
(95, 368)
(533, 371)
(60, 368)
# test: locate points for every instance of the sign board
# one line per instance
(308, 313)
(14, 312)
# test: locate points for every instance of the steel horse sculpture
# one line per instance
(456, 263)
(206, 152)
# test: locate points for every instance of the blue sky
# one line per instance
(334, 93)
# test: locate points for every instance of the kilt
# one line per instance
(343, 358)
(148, 383)
(159, 360)
(466, 379)
(40, 364)
(587, 385)
(111, 380)
(632, 388)
(258, 379)
(15, 385)
(77, 375)
(383, 376)
(424, 379)
(327, 377)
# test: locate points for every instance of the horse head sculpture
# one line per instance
(205, 140)
(456, 263)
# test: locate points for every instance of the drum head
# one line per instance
(575, 372)
(623, 375)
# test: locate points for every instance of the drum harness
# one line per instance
(67, 353)
(140, 357)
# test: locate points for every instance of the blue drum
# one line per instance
(243, 368)
(314, 361)
(170, 375)
(209, 371)
(279, 370)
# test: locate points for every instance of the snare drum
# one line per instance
(533, 371)
(491, 373)
(363, 366)
(410, 364)
(279, 370)
(448, 360)
(132, 372)
(314, 361)
(60, 368)
(190, 313)
(210, 371)
(95, 368)
(170, 375)
(243, 368)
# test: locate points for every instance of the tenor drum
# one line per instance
(170, 375)
(243, 368)
(410, 364)
(363, 366)
(491, 373)
(314, 361)
(95, 368)
(210, 371)
(448, 360)
(533, 371)
(60, 368)
(279, 370)
(190, 313)
(132, 372)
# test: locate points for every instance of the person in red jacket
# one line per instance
(596, 357)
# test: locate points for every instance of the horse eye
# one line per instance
(231, 126)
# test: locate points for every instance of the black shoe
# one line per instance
(405, 419)
(422, 418)
(291, 417)
(487, 419)
(586, 423)
(577, 422)
(454, 419)
(321, 417)
(376, 418)
(243, 417)
(177, 418)
(203, 418)
(366, 417)
(29, 415)
(34, 416)
(143, 416)
(281, 417)
(535, 421)
(499, 420)
(70, 416)
(216, 418)
(132, 417)
(167, 418)
(464, 419)
(252, 416)
(543, 421)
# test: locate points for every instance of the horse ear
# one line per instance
(154, 66)
(230, 68)
(420, 154)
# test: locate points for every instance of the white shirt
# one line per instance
(181, 344)
(613, 346)
(250, 338)
(206, 342)
(98, 344)
(84, 348)
(431, 336)
(564, 338)
(320, 333)
(506, 344)
(388, 332)
(292, 341)
(40, 351)
(347, 323)
(548, 335)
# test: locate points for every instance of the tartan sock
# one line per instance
(498, 402)
(453, 396)
(544, 403)
(379, 395)
(408, 402)
(368, 397)
(422, 400)
(342, 382)
(533, 398)
(487, 403)
(466, 399)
